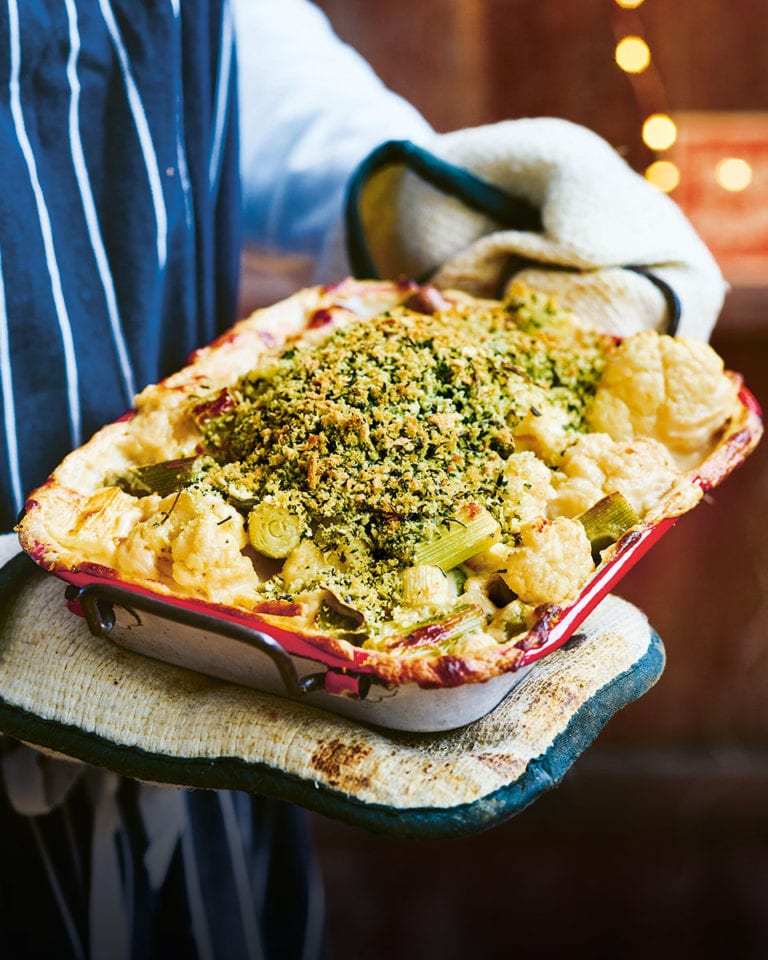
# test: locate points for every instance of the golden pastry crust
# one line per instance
(416, 513)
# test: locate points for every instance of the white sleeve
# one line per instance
(310, 110)
(9, 547)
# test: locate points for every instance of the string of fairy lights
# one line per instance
(659, 130)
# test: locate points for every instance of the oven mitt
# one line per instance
(69, 692)
(544, 201)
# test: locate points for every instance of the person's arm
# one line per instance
(310, 108)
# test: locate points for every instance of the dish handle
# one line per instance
(96, 603)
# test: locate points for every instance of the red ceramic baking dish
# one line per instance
(250, 649)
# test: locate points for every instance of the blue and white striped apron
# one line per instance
(119, 208)
(119, 243)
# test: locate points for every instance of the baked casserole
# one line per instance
(421, 476)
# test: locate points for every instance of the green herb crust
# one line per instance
(377, 436)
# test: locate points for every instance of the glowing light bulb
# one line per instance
(632, 54)
(629, 4)
(663, 174)
(659, 131)
(733, 174)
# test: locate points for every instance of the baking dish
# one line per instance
(267, 646)
(244, 649)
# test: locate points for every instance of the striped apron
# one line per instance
(119, 244)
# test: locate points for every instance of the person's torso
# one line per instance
(119, 210)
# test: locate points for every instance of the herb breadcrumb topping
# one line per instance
(390, 425)
(376, 437)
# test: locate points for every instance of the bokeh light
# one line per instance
(733, 174)
(663, 174)
(659, 131)
(633, 54)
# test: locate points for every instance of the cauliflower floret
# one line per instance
(670, 388)
(642, 470)
(303, 564)
(196, 539)
(551, 563)
(527, 490)
(476, 589)
(488, 560)
(146, 553)
(543, 430)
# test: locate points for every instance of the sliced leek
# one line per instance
(512, 620)
(443, 632)
(274, 530)
(607, 521)
(163, 478)
(473, 530)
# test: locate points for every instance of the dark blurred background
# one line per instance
(656, 843)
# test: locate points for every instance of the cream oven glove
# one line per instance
(539, 200)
